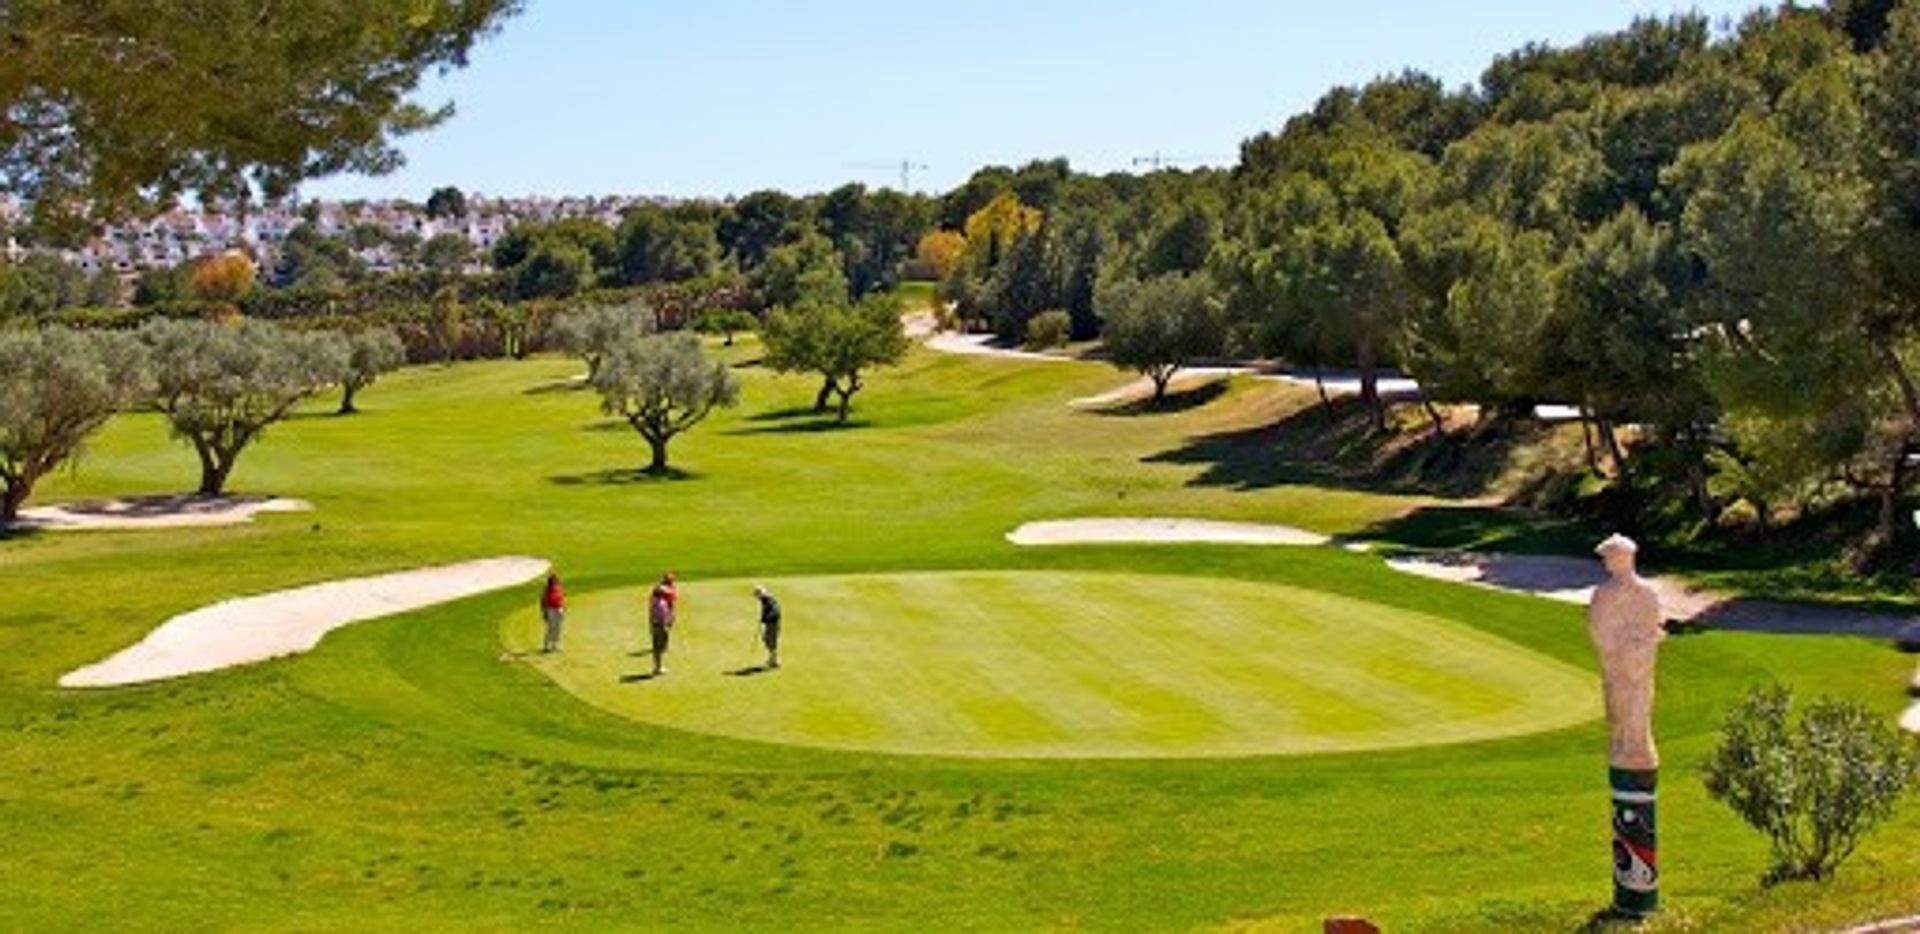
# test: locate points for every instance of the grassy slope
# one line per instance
(1057, 664)
(404, 773)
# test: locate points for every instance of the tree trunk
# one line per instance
(659, 463)
(1161, 377)
(1897, 483)
(1326, 402)
(213, 468)
(213, 476)
(826, 392)
(1890, 500)
(1433, 414)
(12, 498)
(846, 396)
(1696, 453)
(1607, 434)
(346, 399)
(1586, 440)
(1370, 384)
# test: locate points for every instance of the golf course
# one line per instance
(964, 733)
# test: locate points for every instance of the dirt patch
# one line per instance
(252, 629)
(154, 512)
(1111, 531)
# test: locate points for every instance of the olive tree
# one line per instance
(370, 353)
(662, 385)
(1159, 325)
(221, 385)
(57, 387)
(836, 341)
(588, 333)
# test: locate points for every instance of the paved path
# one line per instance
(1572, 580)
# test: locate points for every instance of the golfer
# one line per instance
(553, 609)
(662, 606)
(769, 625)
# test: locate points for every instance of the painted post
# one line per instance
(1624, 618)
(1636, 862)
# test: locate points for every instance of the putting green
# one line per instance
(1059, 665)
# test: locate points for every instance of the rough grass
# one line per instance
(411, 773)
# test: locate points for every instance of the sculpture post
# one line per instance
(1624, 619)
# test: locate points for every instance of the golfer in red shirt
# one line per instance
(553, 609)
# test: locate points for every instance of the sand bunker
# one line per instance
(1111, 531)
(287, 622)
(1572, 580)
(1910, 721)
(154, 512)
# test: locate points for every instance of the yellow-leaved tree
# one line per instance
(992, 230)
(940, 252)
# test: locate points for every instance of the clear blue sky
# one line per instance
(718, 97)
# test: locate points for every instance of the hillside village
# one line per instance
(381, 232)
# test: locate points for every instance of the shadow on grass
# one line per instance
(1172, 403)
(1483, 528)
(327, 414)
(1611, 919)
(789, 414)
(622, 476)
(570, 384)
(638, 677)
(748, 671)
(1338, 446)
(17, 533)
(812, 427)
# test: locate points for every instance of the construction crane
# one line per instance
(906, 168)
(1159, 161)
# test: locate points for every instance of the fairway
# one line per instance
(1060, 665)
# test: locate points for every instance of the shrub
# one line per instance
(1816, 787)
(1049, 329)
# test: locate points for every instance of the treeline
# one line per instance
(1707, 243)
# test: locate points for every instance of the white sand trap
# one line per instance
(154, 512)
(1910, 721)
(1115, 531)
(287, 622)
